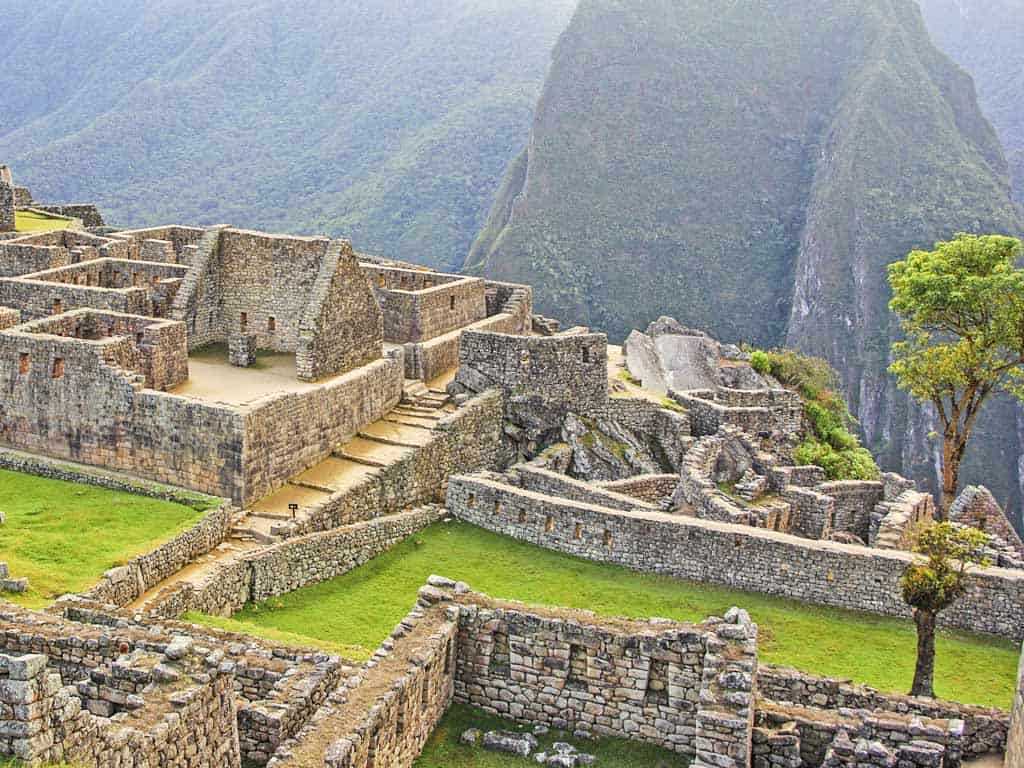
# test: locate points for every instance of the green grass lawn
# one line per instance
(29, 221)
(63, 535)
(356, 611)
(444, 751)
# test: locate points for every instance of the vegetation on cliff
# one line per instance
(387, 122)
(832, 445)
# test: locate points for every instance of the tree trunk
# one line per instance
(924, 672)
(950, 476)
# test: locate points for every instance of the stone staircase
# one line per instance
(402, 430)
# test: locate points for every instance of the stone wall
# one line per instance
(540, 480)
(470, 438)
(6, 200)
(1015, 735)
(853, 503)
(287, 433)
(276, 688)
(341, 327)
(542, 378)
(131, 287)
(123, 584)
(384, 714)
(86, 213)
(419, 306)
(894, 523)
(42, 721)
(290, 565)
(84, 400)
(985, 728)
(820, 572)
(296, 294)
(666, 431)
(653, 489)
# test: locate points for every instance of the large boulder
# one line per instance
(671, 357)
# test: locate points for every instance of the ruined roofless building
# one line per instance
(6, 200)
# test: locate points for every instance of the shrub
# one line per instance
(846, 464)
(760, 361)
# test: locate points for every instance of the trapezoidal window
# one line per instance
(451, 302)
(57, 307)
(586, 354)
(58, 367)
(271, 324)
(23, 363)
(243, 321)
(577, 677)
(656, 691)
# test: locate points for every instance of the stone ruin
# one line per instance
(14, 198)
(538, 436)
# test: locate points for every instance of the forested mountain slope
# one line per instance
(985, 38)
(388, 121)
(752, 167)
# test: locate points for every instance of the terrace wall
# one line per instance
(820, 572)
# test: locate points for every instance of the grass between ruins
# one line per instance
(444, 751)
(29, 221)
(63, 535)
(357, 611)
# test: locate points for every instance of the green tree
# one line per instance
(961, 308)
(934, 585)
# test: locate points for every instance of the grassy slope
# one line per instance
(444, 751)
(361, 607)
(387, 121)
(63, 536)
(26, 221)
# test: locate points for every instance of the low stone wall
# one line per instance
(1015, 736)
(384, 715)
(652, 489)
(41, 721)
(820, 572)
(291, 565)
(81, 474)
(540, 480)
(120, 586)
(985, 728)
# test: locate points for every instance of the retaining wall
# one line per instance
(819, 572)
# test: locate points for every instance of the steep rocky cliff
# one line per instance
(984, 37)
(752, 167)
